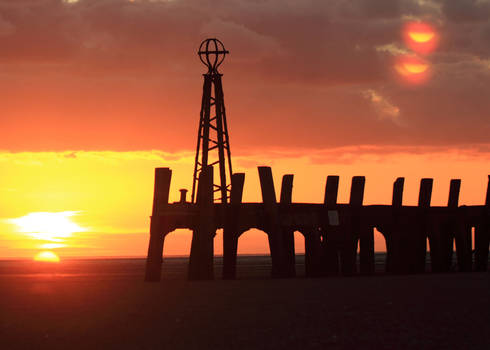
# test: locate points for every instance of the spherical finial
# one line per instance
(212, 53)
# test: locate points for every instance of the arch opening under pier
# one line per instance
(380, 252)
(252, 243)
(299, 253)
(174, 260)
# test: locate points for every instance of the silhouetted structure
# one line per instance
(332, 231)
(213, 129)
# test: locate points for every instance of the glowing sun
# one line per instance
(48, 226)
(47, 256)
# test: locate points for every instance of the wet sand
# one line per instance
(105, 304)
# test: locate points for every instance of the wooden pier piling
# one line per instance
(158, 224)
(332, 230)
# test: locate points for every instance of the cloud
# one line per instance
(383, 107)
(124, 75)
(466, 10)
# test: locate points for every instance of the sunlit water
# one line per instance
(173, 267)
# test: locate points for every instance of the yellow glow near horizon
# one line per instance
(52, 245)
(48, 226)
(421, 37)
(47, 256)
(113, 191)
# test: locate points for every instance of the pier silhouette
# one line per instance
(333, 231)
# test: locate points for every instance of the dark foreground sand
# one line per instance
(107, 308)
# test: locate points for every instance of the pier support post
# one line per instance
(157, 224)
(443, 260)
(366, 238)
(482, 236)
(288, 234)
(331, 228)
(419, 237)
(230, 231)
(274, 232)
(463, 248)
(352, 232)
(366, 250)
(202, 249)
(313, 252)
(394, 235)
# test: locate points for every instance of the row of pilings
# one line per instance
(334, 233)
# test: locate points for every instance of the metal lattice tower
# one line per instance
(213, 143)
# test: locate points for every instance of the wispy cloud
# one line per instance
(383, 107)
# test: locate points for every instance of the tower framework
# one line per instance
(213, 143)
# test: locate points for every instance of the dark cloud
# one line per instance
(115, 74)
(466, 10)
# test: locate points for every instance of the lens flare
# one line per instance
(420, 37)
(47, 256)
(412, 69)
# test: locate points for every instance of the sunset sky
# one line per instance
(94, 94)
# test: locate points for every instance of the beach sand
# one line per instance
(104, 304)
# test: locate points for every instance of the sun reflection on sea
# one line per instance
(47, 256)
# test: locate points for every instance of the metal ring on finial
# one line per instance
(212, 53)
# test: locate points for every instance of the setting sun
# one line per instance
(47, 256)
(48, 226)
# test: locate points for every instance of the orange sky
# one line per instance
(110, 193)
(95, 95)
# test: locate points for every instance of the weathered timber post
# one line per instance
(313, 252)
(463, 245)
(202, 250)
(394, 234)
(158, 225)
(288, 234)
(366, 243)
(274, 232)
(353, 229)
(419, 237)
(454, 189)
(397, 198)
(482, 235)
(331, 227)
(443, 260)
(463, 240)
(230, 231)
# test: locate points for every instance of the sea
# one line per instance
(248, 267)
